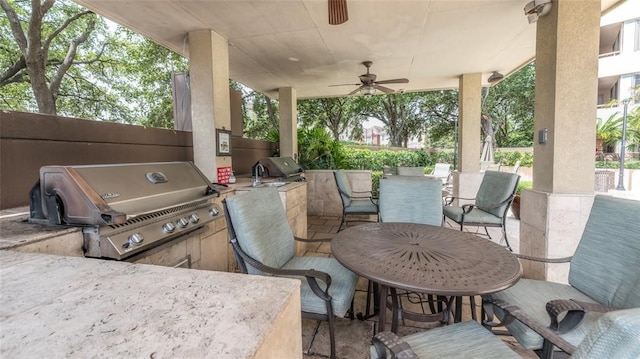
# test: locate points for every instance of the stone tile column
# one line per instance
(288, 122)
(555, 211)
(210, 104)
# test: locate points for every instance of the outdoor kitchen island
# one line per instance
(59, 306)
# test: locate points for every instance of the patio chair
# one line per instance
(411, 199)
(615, 335)
(353, 203)
(492, 202)
(604, 275)
(410, 171)
(442, 171)
(263, 244)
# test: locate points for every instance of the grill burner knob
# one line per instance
(133, 240)
(169, 227)
(213, 211)
(194, 218)
(136, 238)
(183, 222)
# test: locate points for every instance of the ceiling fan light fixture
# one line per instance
(338, 13)
(367, 90)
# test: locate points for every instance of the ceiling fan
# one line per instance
(368, 83)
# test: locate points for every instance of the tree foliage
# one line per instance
(510, 106)
(59, 58)
(48, 41)
(399, 112)
(336, 114)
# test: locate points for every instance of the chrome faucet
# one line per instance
(257, 173)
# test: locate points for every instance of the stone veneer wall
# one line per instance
(323, 198)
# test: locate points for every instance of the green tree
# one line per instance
(46, 43)
(609, 131)
(335, 114)
(510, 106)
(399, 112)
(440, 109)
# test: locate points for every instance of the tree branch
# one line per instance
(68, 61)
(14, 73)
(16, 29)
(65, 24)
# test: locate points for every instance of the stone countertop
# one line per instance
(55, 306)
(244, 184)
(15, 230)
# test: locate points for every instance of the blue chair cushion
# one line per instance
(457, 341)
(606, 264)
(261, 226)
(531, 296)
(411, 199)
(361, 205)
(342, 181)
(615, 335)
(343, 285)
(475, 216)
(495, 188)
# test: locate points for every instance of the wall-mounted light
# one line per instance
(543, 136)
(537, 8)
(495, 76)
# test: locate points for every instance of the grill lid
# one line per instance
(282, 167)
(113, 194)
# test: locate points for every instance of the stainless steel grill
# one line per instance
(124, 209)
(283, 168)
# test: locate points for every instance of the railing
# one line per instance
(609, 54)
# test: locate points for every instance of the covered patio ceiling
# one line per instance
(289, 43)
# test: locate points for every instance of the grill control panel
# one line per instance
(136, 235)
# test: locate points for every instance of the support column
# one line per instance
(288, 122)
(466, 180)
(210, 104)
(555, 211)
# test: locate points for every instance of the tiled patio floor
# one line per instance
(353, 337)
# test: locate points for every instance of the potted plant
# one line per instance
(515, 205)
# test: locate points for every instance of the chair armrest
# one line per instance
(310, 274)
(449, 199)
(388, 340)
(307, 240)
(514, 312)
(545, 260)
(361, 194)
(467, 208)
(574, 315)
(575, 312)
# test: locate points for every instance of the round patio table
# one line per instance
(425, 259)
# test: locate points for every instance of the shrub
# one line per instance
(523, 185)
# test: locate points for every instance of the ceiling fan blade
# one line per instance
(383, 89)
(338, 13)
(355, 91)
(393, 81)
(345, 85)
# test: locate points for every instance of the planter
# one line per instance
(515, 207)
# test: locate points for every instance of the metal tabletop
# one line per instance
(426, 259)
